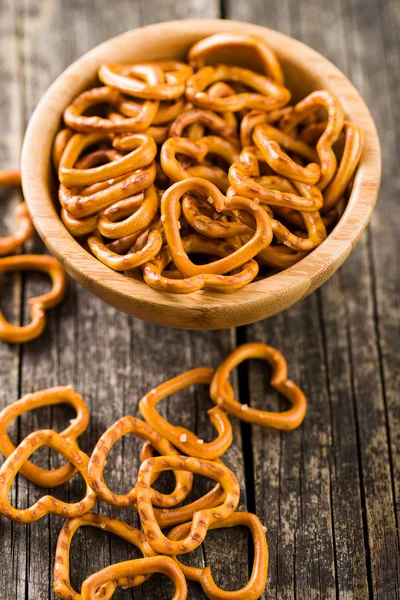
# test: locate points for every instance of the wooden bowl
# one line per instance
(305, 70)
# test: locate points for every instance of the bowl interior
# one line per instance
(305, 70)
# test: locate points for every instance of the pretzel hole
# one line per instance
(10, 294)
(151, 588)
(262, 395)
(9, 199)
(93, 549)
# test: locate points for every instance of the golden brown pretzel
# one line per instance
(78, 227)
(310, 105)
(170, 210)
(143, 152)
(59, 144)
(84, 205)
(216, 175)
(259, 574)
(258, 117)
(289, 419)
(18, 334)
(198, 150)
(134, 568)
(242, 178)
(194, 211)
(180, 437)
(167, 111)
(170, 517)
(11, 243)
(268, 95)
(202, 519)
(61, 577)
(207, 118)
(156, 277)
(131, 425)
(264, 137)
(47, 504)
(49, 397)
(214, 43)
(76, 120)
(128, 78)
(137, 220)
(354, 139)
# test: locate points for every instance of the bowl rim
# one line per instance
(202, 309)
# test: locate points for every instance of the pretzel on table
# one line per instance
(221, 41)
(268, 95)
(75, 119)
(310, 105)
(134, 568)
(82, 205)
(47, 504)
(289, 419)
(170, 211)
(38, 305)
(143, 151)
(128, 78)
(155, 275)
(180, 437)
(139, 215)
(11, 243)
(259, 574)
(49, 397)
(202, 519)
(131, 425)
(61, 577)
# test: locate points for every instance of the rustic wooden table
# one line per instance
(328, 492)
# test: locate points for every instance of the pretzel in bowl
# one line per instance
(10, 244)
(61, 576)
(47, 504)
(49, 397)
(289, 419)
(46, 264)
(259, 574)
(132, 426)
(180, 437)
(140, 567)
(202, 519)
(170, 210)
(157, 277)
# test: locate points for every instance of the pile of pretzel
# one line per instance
(193, 159)
(27, 262)
(178, 450)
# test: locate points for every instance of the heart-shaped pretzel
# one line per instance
(259, 574)
(143, 152)
(202, 519)
(198, 150)
(171, 517)
(131, 425)
(222, 41)
(11, 243)
(265, 138)
(242, 176)
(207, 118)
(75, 119)
(131, 260)
(19, 334)
(81, 204)
(181, 437)
(47, 504)
(49, 397)
(268, 95)
(61, 577)
(128, 78)
(308, 106)
(136, 220)
(134, 568)
(170, 211)
(156, 277)
(289, 419)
